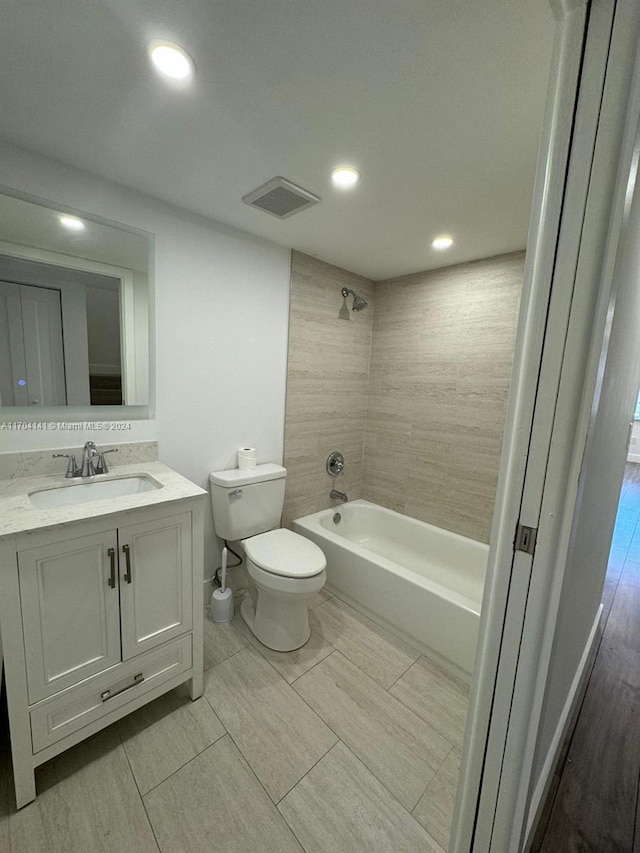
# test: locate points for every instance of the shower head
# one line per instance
(359, 304)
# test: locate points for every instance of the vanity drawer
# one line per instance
(79, 706)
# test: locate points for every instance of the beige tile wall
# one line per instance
(328, 372)
(441, 358)
(412, 390)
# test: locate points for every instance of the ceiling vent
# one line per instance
(280, 198)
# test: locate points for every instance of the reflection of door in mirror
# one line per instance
(61, 342)
(31, 349)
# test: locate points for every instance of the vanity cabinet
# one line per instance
(91, 602)
(98, 617)
(70, 616)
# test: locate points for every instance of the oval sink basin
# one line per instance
(94, 490)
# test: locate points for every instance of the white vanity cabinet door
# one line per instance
(70, 611)
(155, 582)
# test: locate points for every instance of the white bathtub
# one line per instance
(422, 582)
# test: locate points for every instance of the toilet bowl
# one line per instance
(284, 573)
(284, 568)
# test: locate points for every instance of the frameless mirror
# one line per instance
(74, 308)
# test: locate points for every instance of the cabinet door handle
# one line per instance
(127, 557)
(112, 574)
(107, 694)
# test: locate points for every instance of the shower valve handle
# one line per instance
(335, 463)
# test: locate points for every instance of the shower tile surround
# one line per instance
(327, 376)
(412, 390)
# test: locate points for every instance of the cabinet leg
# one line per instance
(196, 686)
(24, 780)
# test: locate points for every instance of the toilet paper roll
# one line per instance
(247, 458)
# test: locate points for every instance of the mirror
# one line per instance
(74, 308)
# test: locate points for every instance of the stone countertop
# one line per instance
(19, 515)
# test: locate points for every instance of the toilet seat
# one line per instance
(285, 553)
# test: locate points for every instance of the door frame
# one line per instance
(578, 208)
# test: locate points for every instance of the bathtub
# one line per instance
(421, 582)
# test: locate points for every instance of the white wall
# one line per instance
(221, 321)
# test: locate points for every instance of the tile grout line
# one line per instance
(431, 725)
(388, 690)
(224, 660)
(393, 696)
(311, 668)
(135, 782)
(402, 674)
(362, 761)
(243, 758)
(409, 812)
(315, 763)
(189, 760)
(266, 793)
(430, 781)
(182, 766)
(310, 708)
(378, 630)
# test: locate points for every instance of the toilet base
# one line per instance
(280, 623)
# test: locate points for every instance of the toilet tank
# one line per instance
(247, 502)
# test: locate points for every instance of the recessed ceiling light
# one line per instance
(444, 241)
(345, 177)
(72, 223)
(171, 60)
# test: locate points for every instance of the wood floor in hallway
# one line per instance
(593, 805)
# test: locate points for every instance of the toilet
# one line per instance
(285, 569)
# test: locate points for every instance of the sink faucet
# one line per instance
(340, 496)
(87, 468)
(89, 452)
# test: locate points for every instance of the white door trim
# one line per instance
(517, 628)
(547, 203)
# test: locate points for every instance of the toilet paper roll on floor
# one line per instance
(247, 458)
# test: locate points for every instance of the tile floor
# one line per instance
(349, 744)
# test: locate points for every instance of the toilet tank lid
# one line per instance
(234, 477)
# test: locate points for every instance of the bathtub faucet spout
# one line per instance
(340, 496)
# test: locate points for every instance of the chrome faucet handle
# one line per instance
(102, 467)
(335, 464)
(72, 466)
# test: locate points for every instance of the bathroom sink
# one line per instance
(82, 492)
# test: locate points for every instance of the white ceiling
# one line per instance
(438, 103)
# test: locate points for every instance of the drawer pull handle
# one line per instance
(112, 574)
(127, 556)
(107, 694)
